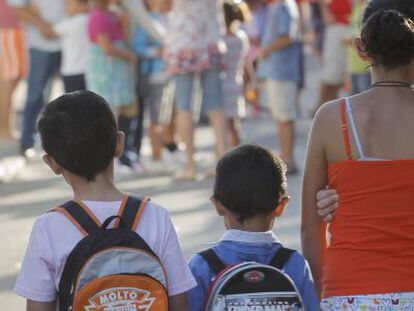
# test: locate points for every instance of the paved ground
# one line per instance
(35, 190)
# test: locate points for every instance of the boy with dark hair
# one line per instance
(80, 136)
(249, 193)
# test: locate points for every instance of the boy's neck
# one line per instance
(101, 189)
(260, 223)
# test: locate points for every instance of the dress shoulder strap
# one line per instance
(354, 128)
(344, 128)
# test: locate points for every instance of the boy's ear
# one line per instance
(54, 166)
(280, 208)
(360, 48)
(119, 148)
(221, 211)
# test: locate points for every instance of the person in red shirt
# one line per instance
(336, 15)
(359, 147)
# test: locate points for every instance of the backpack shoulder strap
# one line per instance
(80, 215)
(131, 211)
(281, 258)
(213, 260)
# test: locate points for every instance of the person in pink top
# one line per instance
(12, 65)
(110, 64)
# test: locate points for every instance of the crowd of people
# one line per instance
(151, 55)
(357, 236)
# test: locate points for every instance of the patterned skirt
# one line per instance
(383, 302)
(110, 77)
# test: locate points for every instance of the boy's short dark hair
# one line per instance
(79, 131)
(250, 181)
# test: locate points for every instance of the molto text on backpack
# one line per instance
(121, 299)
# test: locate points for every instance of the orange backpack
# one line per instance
(111, 269)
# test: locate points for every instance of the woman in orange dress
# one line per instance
(362, 147)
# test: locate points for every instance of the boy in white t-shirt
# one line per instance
(75, 44)
(80, 137)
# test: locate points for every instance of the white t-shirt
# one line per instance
(75, 43)
(53, 237)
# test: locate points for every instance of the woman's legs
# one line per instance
(154, 136)
(6, 93)
(167, 135)
(213, 103)
(184, 84)
(234, 131)
(218, 123)
(185, 129)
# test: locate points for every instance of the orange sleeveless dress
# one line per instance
(371, 241)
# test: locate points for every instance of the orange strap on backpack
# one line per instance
(131, 211)
(82, 217)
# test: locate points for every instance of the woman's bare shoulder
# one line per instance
(329, 109)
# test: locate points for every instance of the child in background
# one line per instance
(75, 44)
(250, 193)
(80, 137)
(254, 28)
(280, 67)
(110, 66)
(232, 80)
(151, 82)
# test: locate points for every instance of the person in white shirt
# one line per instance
(75, 43)
(80, 137)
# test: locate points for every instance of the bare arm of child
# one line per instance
(280, 43)
(140, 14)
(315, 178)
(111, 50)
(123, 17)
(179, 302)
(40, 306)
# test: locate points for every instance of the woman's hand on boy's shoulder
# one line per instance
(328, 202)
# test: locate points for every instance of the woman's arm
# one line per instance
(315, 178)
(111, 50)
